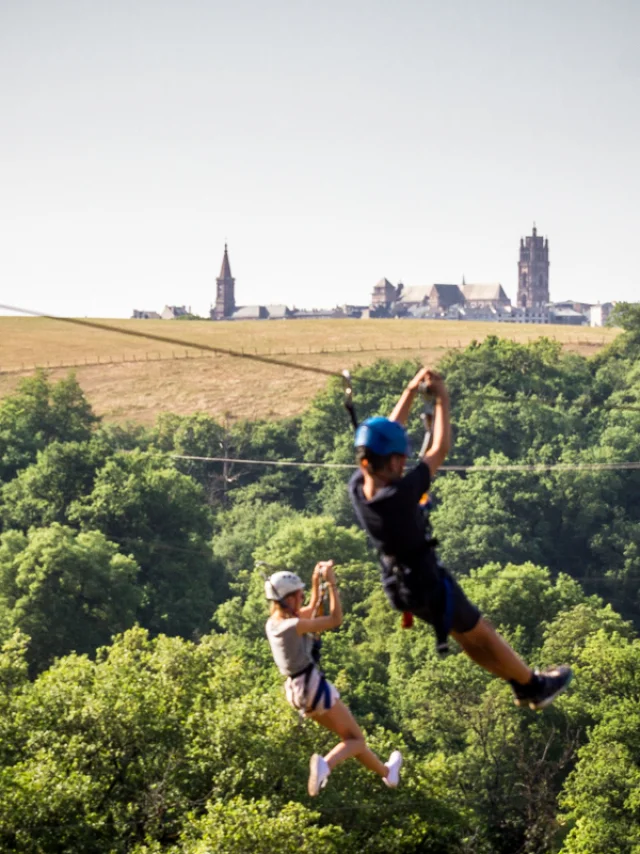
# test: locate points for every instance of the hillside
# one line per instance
(126, 378)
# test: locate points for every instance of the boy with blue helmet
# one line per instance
(387, 504)
(383, 437)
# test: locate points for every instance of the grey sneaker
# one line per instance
(394, 765)
(545, 687)
(318, 774)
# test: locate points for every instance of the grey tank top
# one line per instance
(291, 651)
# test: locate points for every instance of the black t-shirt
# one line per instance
(393, 518)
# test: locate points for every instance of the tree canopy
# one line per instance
(140, 711)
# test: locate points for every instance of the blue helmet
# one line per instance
(382, 436)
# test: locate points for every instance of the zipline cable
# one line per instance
(534, 467)
(165, 339)
(205, 551)
(236, 354)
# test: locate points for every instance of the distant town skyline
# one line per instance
(328, 145)
(438, 301)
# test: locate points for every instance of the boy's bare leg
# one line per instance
(485, 646)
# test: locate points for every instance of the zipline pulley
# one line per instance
(348, 398)
(426, 416)
(318, 611)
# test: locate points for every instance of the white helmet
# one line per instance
(279, 585)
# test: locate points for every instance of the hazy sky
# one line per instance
(329, 143)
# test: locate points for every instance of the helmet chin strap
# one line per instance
(286, 607)
(283, 602)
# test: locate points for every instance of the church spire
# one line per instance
(225, 270)
(225, 290)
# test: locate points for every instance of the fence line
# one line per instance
(156, 356)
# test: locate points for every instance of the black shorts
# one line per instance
(424, 594)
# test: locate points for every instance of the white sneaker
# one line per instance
(394, 765)
(318, 774)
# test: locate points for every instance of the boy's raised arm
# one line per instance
(403, 407)
(441, 443)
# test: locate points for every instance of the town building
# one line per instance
(443, 297)
(171, 312)
(439, 301)
(145, 315)
(384, 294)
(249, 312)
(484, 296)
(599, 313)
(533, 271)
(225, 291)
(277, 312)
(439, 298)
(225, 307)
(416, 296)
(314, 313)
(567, 316)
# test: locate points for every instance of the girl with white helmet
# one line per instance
(290, 630)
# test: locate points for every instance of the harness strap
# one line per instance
(323, 688)
(305, 672)
(442, 626)
(443, 629)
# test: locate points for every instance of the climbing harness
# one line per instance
(297, 688)
(444, 627)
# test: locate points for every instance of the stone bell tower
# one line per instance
(225, 290)
(533, 271)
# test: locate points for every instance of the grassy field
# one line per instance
(129, 378)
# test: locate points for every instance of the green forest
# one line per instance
(140, 709)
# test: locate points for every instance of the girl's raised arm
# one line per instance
(334, 618)
(311, 609)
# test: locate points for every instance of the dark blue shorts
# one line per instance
(424, 594)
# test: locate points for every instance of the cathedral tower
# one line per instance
(225, 286)
(533, 271)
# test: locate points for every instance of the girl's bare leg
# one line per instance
(485, 646)
(340, 720)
